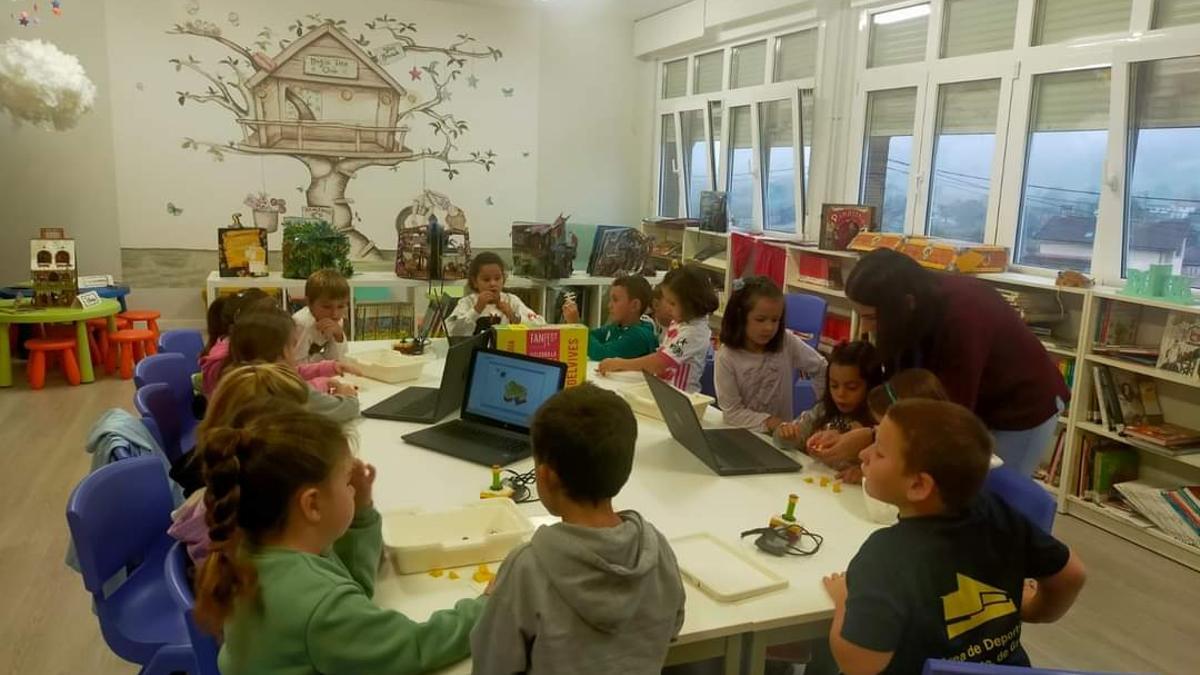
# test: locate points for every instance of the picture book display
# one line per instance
(840, 223)
(242, 252)
(619, 251)
(1180, 350)
(713, 211)
(543, 251)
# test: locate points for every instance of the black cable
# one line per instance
(522, 485)
(781, 541)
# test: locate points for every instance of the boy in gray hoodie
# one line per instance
(599, 592)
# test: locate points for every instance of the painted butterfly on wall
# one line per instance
(173, 210)
(508, 91)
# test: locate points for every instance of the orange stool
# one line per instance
(98, 338)
(147, 315)
(39, 349)
(130, 346)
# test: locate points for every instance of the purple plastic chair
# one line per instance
(805, 315)
(174, 429)
(204, 647)
(942, 667)
(708, 385)
(187, 343)
(118, 517)
(1022, 495)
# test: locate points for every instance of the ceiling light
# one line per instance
(898, 15)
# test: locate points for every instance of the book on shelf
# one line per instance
(819, 270)
(1119, 323)
(1066, 368)
(1111, 465)
(1181, 440)
(1110, 407)
(708, 252)
(1175, 511)
(1137, 397)
(1180, 350)
(671, 223)
(1033, 307)
(1053, 471)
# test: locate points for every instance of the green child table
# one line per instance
(79, 317)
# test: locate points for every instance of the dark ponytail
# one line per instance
(252, 468)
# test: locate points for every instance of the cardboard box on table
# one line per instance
(565, 343)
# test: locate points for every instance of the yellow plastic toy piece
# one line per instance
(453, 574)
(837, 486)
(436, 573)
(808, 479)
(483, 575)
(824, 481)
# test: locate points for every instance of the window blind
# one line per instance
(675, 78)
(1168, 93)
(968, 107)
(978, 26)
(739, 130)
(709, 68)
(891, 112)
(776, 120)
(806, 116)
(1169, 13)
(902, 40)
(796, 56)
(1062, 20)
(1071, 101)
(747, 64)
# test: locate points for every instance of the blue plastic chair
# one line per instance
(1023, 495)
(204, 647)
(187, 343)
(118, 517)
(942, 667)
(805, 315)
(174, 429)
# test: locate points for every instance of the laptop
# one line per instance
(728, 452)
(426, 404)
(504, 390)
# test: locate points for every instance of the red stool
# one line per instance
(132, 344)
(39, 349)
(98, 338)
(149, 316)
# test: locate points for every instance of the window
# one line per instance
(887, 155)
(778, 165)
(748, 65)
(978, 26)
(740, 186)
(1064, 162)
(674, 79)
(1162, 201)
(695, 159)
(796, 56)
(1062, 20)
(668, 179)
(1169, 13)
(806, 132)
(714, 121)
(964, 145)
(898, 36)
(709, 69)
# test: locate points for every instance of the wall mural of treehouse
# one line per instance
(328, 100)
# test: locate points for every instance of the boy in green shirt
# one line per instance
(295, 546)
(630, 334)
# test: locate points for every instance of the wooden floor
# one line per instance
(1137, 614)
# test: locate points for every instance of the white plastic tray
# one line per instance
(643, 403)
(387, 365)
(723, 572)
(479, 533)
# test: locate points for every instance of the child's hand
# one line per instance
(484, 299)
(835, 586)
(347, 368)
(610, 366)
(822, 440)
(507, 310)
(570, 312)
(788, 431)
(331, 329)
(362, 478)
(851, 475)
(343, 389)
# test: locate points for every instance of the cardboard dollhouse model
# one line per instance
(324, 95)
(52, 268)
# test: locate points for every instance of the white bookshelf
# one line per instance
(697, 241)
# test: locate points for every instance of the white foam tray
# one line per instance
(724, 572)
(390, 366)
(471, 535)
(643, 403)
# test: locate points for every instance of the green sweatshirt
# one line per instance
(627, 342)
(315, 615)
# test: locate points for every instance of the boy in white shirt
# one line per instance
(320, 335)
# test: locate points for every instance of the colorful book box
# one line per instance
(52, 267)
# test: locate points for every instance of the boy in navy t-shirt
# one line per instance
(949, 580)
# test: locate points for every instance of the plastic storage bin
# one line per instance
(480, 533)
(643, 403)
(389, 366)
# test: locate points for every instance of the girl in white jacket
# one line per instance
(485, 278)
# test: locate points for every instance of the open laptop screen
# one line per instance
(507, 389)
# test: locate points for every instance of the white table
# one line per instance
(674, 491)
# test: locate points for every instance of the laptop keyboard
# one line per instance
(741, 450)
(471, 435)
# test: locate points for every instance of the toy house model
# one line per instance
(323, 95)
(52, 266)
(543, 251)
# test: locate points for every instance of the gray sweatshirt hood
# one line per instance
(599, 572)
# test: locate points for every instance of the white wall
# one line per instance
(61, 179)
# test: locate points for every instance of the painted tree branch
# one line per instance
(211, 31)
(404, 42)
(208, 98)
(221, 88)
